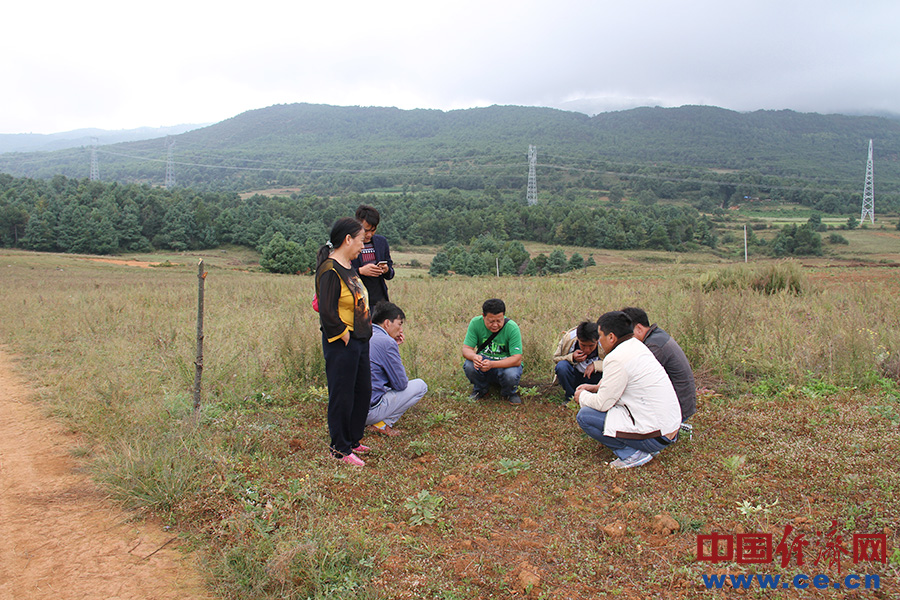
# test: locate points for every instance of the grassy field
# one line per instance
(798, 425)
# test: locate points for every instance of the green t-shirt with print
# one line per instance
(506, 343)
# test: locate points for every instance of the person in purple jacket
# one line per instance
(392, 392)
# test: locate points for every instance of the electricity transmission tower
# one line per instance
(531, 192)
(868, 203)
(170, 167)
(95, 165)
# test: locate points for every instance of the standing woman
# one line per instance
(346, 328)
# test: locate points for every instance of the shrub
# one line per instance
(440, 264)
(282, 256)
(779, 277)
(797, 241)
(769, 279)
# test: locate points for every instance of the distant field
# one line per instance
(872, 244)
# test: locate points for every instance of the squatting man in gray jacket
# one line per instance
(671, 357)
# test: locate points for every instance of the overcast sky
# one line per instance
(121, 65)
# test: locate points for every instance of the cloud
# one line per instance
(119, 65)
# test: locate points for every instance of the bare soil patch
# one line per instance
(287, 191)
(59, 537)
(127, 263)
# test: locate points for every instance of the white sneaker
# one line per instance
(635, 460)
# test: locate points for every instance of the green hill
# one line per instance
(329, 149)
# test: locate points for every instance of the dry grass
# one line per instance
(793, 408)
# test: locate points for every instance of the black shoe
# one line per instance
(513, 399)
(476, 396)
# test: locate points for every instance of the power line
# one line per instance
(465, 164)
(300, 170)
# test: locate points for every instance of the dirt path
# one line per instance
(59, 538)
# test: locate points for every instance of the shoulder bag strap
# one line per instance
(491, 337)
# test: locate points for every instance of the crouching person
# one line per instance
(576, 357)
(492, 351)
(633, 411)
(392, 392)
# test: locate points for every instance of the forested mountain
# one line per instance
(324, 149)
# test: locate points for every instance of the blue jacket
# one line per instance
(388, 372)
(382, 252)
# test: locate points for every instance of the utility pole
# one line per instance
(745, 242)
(198, 362)
(170, 167)
(531, 193)
(95, 165)
(868, 203)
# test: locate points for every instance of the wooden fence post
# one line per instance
(198, 363)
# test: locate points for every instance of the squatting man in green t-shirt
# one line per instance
(493, 352)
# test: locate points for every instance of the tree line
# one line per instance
(90, 217)
(78, 215)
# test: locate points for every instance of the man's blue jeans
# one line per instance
(592, 422)
(507, 379)
(570, 377)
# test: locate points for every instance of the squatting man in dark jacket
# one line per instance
(671, 357)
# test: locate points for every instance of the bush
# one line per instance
(797, 241)
(440, 264)
(779, 277)
(769, 279)
(836, 238)
(282, 256)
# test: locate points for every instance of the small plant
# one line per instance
(767, 388)
(440, 418)
(885, 411)
(424, 507)
(747, 508)
(689, 524)
(734, 463)
(314, 393)
(419, 447)
(895, 558)
(757, 511)
(512, 467)
(528, 392)
(455, 395)
(815, 388)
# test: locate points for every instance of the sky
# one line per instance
(119, 65)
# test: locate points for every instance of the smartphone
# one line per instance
(382, 262)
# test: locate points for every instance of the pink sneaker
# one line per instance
(361, 449)
(352, 459)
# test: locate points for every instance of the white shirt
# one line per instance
(635, 393)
